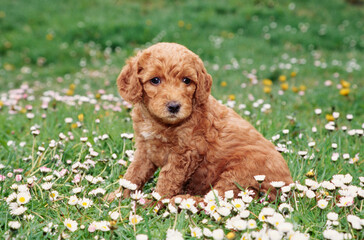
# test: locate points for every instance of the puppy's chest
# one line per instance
(160, 144)
(148, 133)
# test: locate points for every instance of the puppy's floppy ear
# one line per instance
(204, 82)
(128, 83)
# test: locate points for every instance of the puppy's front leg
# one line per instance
(140, 170)
(175, 174)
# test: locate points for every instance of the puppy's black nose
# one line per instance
(173, 107)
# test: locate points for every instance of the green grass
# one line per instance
(50, 46)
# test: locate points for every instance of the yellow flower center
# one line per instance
(84, 204)
(69, 225)
(134, 220)
(22, 199)
(237, 205)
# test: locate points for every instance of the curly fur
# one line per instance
(205, 145)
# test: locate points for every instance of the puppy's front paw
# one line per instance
(117, 194)
(111, 196)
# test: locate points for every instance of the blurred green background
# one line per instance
(43, 40)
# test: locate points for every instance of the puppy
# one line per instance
(197, 143)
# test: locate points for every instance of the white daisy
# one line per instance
(23, 198)
(251, 224)
(73, 200)
(14, 224)
(85, 202)
(155, 195)
(70, 224)
(127, 184)
(207, 232)
(196, 232)
(229, 194)
(77, 190)
(53, 195)
(97, 191)
(18, 211)
(332, 216)
(114, 215)
(210, 208)
(134, 219)
(218, 234)
(322, 203)
(259, 178)
(277, 184)
(238, 204)
(103, 226)
(29, 217)
(137, 195)
(345, 202)
(276, 219)
(355, 221)
(47, 185)
(174, 235)
(141, 237)
(236, 223)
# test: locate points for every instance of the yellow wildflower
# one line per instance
(284, 86)
(267, 89)
(9, 67)
(69, 92)
(345, 91)
(223, 84)
(329, 117)
(181, 23)
(293, 74)
(74, 125)
(23, 110)
(80, 117)
(7, 44)
(303, 88)
(267, 82)
(310, 173)
(2, 14)
(232, 97)
(49, 36)
(72, 86)
(230, 235)
(295, 89)
(344, 83)
(282, 78)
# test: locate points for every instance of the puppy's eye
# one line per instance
(155, 81)
(186, 80)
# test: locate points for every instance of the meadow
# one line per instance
(294, 69)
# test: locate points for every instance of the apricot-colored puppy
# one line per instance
(179, 127)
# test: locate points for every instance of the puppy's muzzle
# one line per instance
(173, 107)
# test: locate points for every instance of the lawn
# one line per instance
(294, 69)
